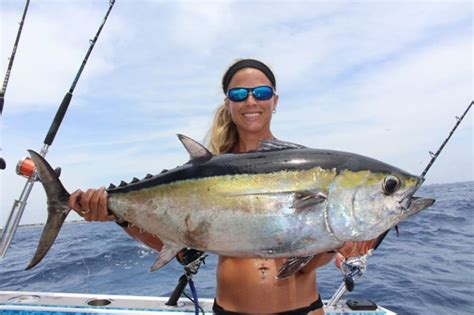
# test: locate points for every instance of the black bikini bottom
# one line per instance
(218, 310)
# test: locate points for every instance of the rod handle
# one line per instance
(53, 129)
(173, 300)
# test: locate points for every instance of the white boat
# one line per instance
(47, 303)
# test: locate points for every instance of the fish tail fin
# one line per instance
(58, 208)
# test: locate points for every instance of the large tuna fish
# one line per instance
(283, 200)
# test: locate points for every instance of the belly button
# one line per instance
(263, 272)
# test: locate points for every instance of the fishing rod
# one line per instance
(191, 260)
(9, 69)
(12, 57)
(26, 166)
(354, 267)
(434, 156)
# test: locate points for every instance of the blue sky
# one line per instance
(383, 79)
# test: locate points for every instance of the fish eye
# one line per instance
(391, 184)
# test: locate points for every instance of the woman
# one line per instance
(244, 285)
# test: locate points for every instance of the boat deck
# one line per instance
(45, 303)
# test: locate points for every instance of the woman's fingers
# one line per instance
(102, 209)
(94, 205)
(353, 249)
(338, 261)
(87, 211)
(74, 200)
(91, 205)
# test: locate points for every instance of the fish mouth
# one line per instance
(407, 198)
(411, 204)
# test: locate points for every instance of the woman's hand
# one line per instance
(91, 205)
(354, 249)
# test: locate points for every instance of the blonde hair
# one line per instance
(223, 135)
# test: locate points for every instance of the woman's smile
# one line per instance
(252, 115)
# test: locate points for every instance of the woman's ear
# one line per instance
(275, 103)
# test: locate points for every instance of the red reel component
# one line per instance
(26, 167)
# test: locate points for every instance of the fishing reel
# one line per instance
(191, 259)
(26, 168)
(353, 268)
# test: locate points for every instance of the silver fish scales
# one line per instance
(284, 200)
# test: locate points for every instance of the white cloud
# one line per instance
(51, 49)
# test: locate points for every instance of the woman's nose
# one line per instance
(251, 100)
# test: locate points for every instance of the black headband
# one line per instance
(246, 63)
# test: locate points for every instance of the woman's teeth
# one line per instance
(252, 114)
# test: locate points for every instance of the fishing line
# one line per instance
(80, 241)
(20, 204)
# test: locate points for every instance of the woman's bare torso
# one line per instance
(248, 285)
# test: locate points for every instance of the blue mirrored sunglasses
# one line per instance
(261, 93)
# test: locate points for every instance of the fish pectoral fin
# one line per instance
(197, 152)
(167, 253)
(304, 199)
(292, 266)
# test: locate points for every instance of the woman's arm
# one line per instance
(353, 249)
(349, 249)
(318, 261)
(146, 238)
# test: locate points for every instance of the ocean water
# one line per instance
(427, 269)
